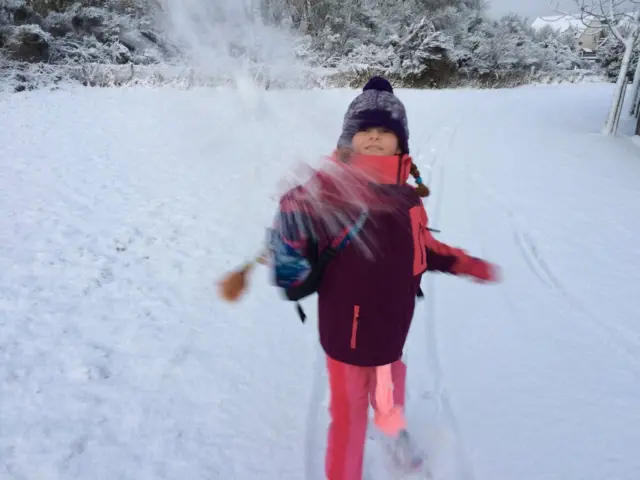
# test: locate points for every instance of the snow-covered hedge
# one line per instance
(60, 31)
(278, 43)
(21, 76)
(445, 46)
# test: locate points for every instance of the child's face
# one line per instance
(375, 141)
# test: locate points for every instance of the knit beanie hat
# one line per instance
(376, 106)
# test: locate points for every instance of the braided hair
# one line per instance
(422, 190)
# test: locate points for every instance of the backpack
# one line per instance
(299, 266)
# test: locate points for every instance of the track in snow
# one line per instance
(434, 422)
(525, 241)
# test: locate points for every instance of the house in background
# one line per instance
(586, 32)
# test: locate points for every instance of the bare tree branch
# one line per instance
(608, 12)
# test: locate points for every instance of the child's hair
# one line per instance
(422, 190)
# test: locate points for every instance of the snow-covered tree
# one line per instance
(556, 50)
(609, 55)
(417, 42)
(635, 91)
(61, 31)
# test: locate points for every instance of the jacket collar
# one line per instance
(393, 169)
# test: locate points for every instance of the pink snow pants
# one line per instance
(352, 390)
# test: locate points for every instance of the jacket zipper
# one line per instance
(354, 326)
(423, 248)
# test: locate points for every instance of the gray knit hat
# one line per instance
(376, 106)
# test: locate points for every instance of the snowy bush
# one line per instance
(435, 43)
(28, 43)
(60, 31)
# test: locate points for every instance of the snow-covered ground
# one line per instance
(120, 209)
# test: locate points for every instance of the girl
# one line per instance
(365, 305)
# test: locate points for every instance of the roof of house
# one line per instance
(562, 23)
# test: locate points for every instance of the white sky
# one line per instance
(529, 8)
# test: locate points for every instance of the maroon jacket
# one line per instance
(367, 294)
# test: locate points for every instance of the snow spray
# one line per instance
(226, 42)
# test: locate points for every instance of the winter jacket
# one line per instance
(367, 294)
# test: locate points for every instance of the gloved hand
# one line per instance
(481, 270)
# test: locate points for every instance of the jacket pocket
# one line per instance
(354, 326)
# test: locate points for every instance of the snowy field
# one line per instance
(121, 208)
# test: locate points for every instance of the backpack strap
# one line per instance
(301, 314)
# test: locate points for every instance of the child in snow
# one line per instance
(365, 306)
